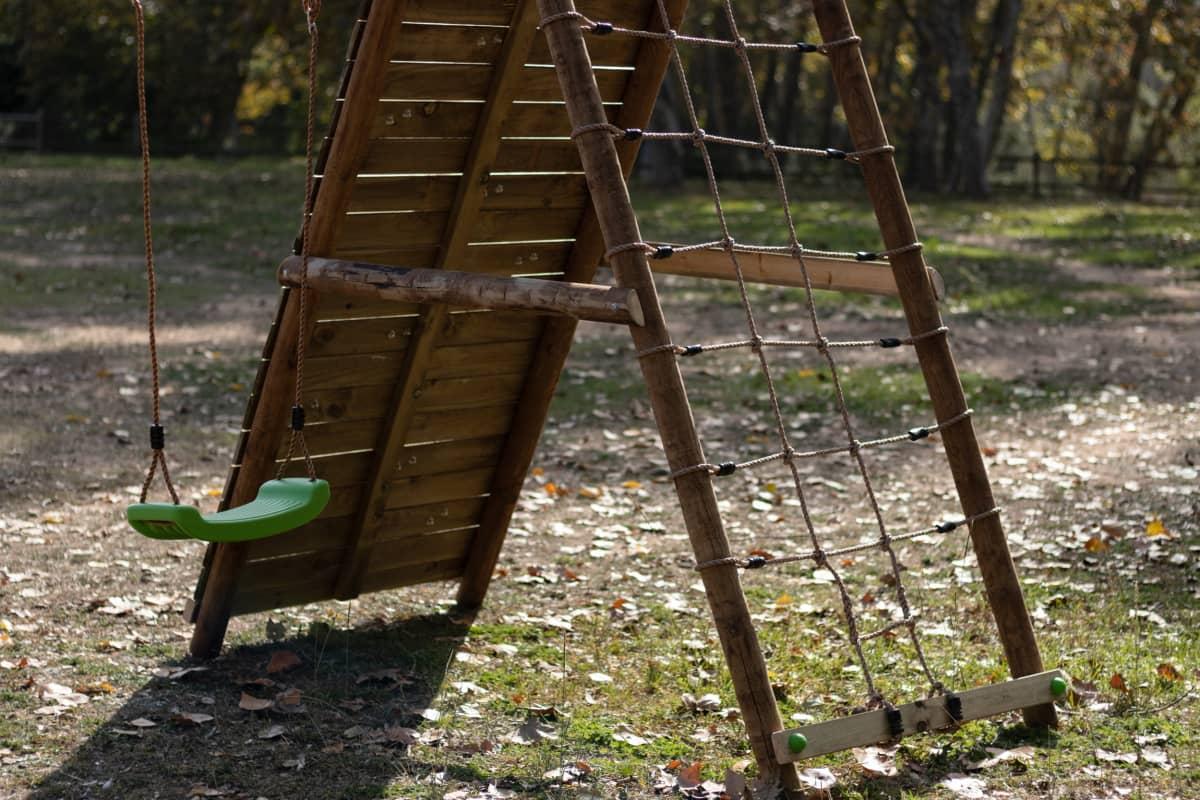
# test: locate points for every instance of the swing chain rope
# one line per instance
(312, 9)
(157, 433)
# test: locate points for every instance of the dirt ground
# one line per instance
(1092, 437)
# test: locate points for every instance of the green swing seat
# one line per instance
(281, 505)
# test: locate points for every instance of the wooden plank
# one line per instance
(464, 361)
(438, 488)
(386, 231)
(436, 193)
(541, 259)
(413, 574)
(384, 334)
(326, 373)
(871, 727)
(425, 156)
(467, 423)
(313, 589)
(324, 533)
(458, 512)
(937, 362)
(332, 438)
(466, 289)
(776, 269)
(425, 81)
(500, 12)
(434, 119)
(451, 456)
(668, 398)
(333, 309)
(481, 45)
(408, 550)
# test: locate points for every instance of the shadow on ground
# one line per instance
(342, 719)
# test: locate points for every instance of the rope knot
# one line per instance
(727, 244)
(820, 558)
(756, 343)
(822, 344)
(739, 43)
(855, 446)
(698, 137)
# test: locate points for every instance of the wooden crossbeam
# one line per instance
(933, 714)
(463, 215)
(467, 289)
(778, 269)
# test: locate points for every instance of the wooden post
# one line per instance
(467, 289)
(363, 86)
(668, 398)
(937, 362)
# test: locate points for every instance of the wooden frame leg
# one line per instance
(668, 396)
(937, 363)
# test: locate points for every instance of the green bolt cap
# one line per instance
(1058, 686)
(797, 742)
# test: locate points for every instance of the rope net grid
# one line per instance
(786, 455)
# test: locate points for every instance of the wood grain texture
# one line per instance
(871, 727)
(937, 363)
(467, 290)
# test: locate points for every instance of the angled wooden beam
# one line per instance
(933, 714)
(463, 214)
(778, 269)
(466, 289)
(641, 91)
(342, 161)
(937, 362)
(668, 397)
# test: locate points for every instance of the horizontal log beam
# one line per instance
(778, 269)
(872, 727)
(467, 289)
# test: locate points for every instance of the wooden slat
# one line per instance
(327, 373)
(438, 488)
(452, 456)
(386, 231)
(467, 423)
(501, 358)
(351, 308)
(414, 574)
(776, 269)
(325, 533)
(500, 12)
(434, 81)
(481, 45)
(432, 119)
(391, 553)
(436, 193)
(871, 727)
(423, 156)
(384, 334)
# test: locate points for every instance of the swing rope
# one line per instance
(157, 434)
(312, 9)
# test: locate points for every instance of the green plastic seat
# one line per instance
(281, 505)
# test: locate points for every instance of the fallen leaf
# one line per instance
(876, 761)
(142, 722)
(1117, 681)
(1096, 545)
(249, 702)
(533, 731)
(1108, 755)
(1155, 527)
(1168, 672)
(273, 732)
(189, 718)
(282, 661)
(964, 786)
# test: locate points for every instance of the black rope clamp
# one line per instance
(890, 341)
(835, 154)
(895, 722)
(865, 255)
(297, 418)
(602, 28)
(632, 134)
(945, 527)
(918, 433)
(756, 562)
(692, 350)
(158, 437)
(725, 468)
(807, 47)
(954, 707)
(662, 251)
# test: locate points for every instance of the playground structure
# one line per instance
(467, 193)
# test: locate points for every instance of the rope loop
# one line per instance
(587, 23)
(649, 249)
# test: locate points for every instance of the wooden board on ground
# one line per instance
(932, 714)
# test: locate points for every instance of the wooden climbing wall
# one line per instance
(449, 148)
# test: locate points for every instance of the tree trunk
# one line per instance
(1004, 38)
(967, 172)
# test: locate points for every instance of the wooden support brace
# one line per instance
(882, 180)
(778, 269)
(933, 714)
(668, 397)
(467, 289)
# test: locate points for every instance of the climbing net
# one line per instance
(816, 550)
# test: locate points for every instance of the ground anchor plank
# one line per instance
(935, 713)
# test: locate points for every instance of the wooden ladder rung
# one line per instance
(873, 727)
(467, 289)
